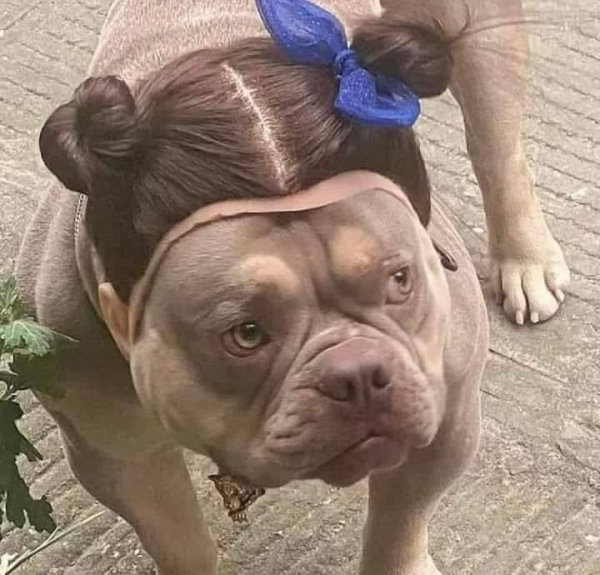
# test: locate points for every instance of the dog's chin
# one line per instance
(373, 453)
(343, 466)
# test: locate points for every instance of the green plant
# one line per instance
(27, 362)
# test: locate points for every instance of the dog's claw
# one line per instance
(524, 293)
(532, 284)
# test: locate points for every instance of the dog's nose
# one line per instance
(352, 378)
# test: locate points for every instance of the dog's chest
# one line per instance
(141, 35)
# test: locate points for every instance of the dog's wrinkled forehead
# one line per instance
(339, 227)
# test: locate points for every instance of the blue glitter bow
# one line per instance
(312, 36)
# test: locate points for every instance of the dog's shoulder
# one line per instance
(48, 273)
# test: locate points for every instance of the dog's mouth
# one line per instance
(371, 453)
(344, 452)
(374, 452)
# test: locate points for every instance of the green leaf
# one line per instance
(39, 514)
(29, 355)
(14, 492)
(11, 439)
(38, 374)
(21, 506)
(7, 461)
(11, 306)
(16, 502)
(27, 336)
(10, 412)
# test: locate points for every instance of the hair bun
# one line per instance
(91, 136)
(419, 54)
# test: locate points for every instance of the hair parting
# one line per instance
(235, 122)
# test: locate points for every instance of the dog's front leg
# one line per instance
(403, 501)
(395, 536)
(529, 273)
(156, 496)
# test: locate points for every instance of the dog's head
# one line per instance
(294, 344)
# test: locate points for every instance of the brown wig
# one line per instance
(236, 122)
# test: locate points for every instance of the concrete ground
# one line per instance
(531, 502)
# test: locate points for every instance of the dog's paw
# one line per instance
(430, 568)
(426, 567)
(532, 286)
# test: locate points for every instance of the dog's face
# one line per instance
(299, 345)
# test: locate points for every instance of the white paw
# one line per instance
(531, 288)
(425, 568)
(431, 569)
(428, 568)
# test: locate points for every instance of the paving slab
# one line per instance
(530, 504)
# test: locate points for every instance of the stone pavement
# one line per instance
(531, 502)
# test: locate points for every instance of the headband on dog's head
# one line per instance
(325, 193)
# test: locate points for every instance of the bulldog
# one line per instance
(322, 326)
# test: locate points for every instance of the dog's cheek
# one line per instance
(430, 345)
(164, 388)
(418, 409)
(429, 331)
(303, 427)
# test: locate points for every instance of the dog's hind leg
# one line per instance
(528, 270)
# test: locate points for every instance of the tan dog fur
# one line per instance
(123, 441)
(120, 450)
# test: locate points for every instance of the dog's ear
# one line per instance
(116, 316)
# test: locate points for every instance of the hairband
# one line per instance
(310, 35)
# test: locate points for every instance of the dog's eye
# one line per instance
(400, 285)
(248, 335)
(245, 338)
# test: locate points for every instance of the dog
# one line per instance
(253, 323)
